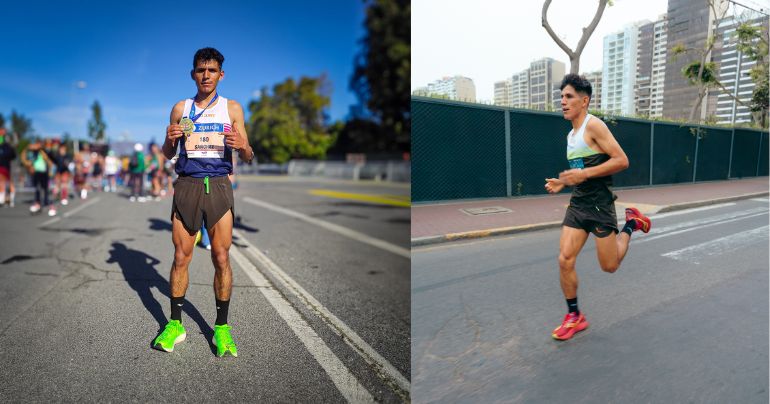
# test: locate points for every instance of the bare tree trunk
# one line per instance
(574, 56)
(710, 40)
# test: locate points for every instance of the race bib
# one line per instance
(576, 163)
(206, 141)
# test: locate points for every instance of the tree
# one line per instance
(291, 122)
(574, 56)
(698, 72)
(96, 125)
(382, 69)
(20, 126)
(2, 121)
(753, 43)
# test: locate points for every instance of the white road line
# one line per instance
(70, 213)
(701, 252)
(369, 354)
(765, 200)
(696, 227)
(686, 211)
(340, 375)
(404, 252)
(707, 220)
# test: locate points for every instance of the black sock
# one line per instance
(629, 227)
(176, 308)
(572, 305)
(222, 307)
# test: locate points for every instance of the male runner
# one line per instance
(593, 155)
(208, 128)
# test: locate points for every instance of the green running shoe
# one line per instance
(224, 341)
(173, 334)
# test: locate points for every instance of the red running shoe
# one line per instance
(572, 324)
(643, 222)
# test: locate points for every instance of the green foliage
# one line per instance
(20, 126)
(381, 75)
(291, 122)
(2, 121)
(708, 77)
(752, 42)
(96, 125)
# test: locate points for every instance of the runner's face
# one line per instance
(207, 74)
(572, 102)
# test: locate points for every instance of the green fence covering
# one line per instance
(465, 151)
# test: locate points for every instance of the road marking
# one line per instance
(384, 368)
(686, 211)
(700, 252)
(333, 227)
(70, 213)
(341, 376)
(696, 226)
(765, 200)
(379, 199)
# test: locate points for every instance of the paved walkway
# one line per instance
(442, 222)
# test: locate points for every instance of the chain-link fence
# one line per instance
(464, 151)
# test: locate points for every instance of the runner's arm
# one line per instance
(606, 142)
(245, 151)
(173, 131)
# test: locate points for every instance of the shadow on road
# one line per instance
(158, 224)
(238, 224)
(140, 273)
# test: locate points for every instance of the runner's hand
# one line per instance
(234, 139)
(573, 177)
(174, 132)
(553, 185)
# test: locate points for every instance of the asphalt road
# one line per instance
(684, 320)
(320, 306)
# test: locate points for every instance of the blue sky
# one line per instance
(135, 57)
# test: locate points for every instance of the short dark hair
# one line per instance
(205, 54)
(579, 83)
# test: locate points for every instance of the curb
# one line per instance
(501, 231)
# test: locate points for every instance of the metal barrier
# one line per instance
(463, 150)
(393, 171)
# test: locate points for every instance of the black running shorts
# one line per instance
(192, 204)
(599, 220)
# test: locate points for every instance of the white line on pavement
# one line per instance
(340, 375)
(765, 200)
(700, 252)
(369, 354)
(70, 213)
(697, 226)
(358, 236)
(686, 211)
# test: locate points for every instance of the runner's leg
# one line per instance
(183, 250)
(221, 235)
(611, 250)
(570, 244)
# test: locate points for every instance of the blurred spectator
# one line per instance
(7, 155)
(137, 167)
(111, 169)
(38, 163)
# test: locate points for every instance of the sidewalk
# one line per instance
(450, 221)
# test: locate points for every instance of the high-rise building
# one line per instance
(455, 88)
(543, 73)
(734, 69)
(520, 89)
(619, 70)
(650, 68)
(688, 25)
(503, 96)
(595, 78)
